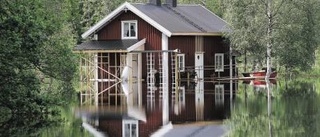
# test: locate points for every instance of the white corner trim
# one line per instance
(117, 11)
(164, 42)
(137, 45)
(163, 130)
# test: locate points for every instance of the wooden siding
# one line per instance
(112, 127)
(213, 45)
(112, 31)
(186, 45)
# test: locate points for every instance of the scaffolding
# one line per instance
(151, 88)
(100, 78)
(102, 84)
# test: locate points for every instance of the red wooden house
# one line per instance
(145, 52)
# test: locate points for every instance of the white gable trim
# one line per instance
(148, 19)
(137, 45)
(127, 5)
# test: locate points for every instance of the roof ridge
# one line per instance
(186, 19)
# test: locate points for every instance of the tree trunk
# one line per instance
(269, 40)
(245, 60)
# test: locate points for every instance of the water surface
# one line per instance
(293, 110)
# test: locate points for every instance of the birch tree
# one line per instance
(285, 30)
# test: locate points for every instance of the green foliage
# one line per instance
(35, 44)
(70, 125)
(247, 20)
(293, 111)
(294, 38)
(26, 125)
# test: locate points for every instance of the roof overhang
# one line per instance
(125, 6)
(198, 34)
(112, 113)
(114, 46)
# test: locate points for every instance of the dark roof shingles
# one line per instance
(106, 45)
(184, 18)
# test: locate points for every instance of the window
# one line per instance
(181, 101)
(219, 94)
(181, 60)
(219, 64)
(129, 29)
(181, 95)
(130, 128)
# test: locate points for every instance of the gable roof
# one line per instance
(185, 19)
(180, 20)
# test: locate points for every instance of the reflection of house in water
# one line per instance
(164, 57)
(144, 121)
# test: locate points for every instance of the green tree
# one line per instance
(283, 30)
(297, 37)
(246, 20)
(35, 45)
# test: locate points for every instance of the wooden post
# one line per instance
(230, 68)
(140, 79)
(176, 78)
(199, 95)
(96, 88)
(165, 81)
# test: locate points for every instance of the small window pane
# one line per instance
(126, 29)
(219, 62)
(132, 29)
(181, 62)
(219, 94)
(127, 130)
(134, 130)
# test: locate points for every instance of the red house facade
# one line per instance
(140, 53)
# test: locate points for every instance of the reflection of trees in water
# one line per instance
(62, 124)
(26, 124)
(295, 111)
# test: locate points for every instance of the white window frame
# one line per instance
(130, 122)
(219, 93)
(181, 64)
(182, 95)
(123, 36)
(219, 62)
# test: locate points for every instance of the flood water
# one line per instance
(292, 109)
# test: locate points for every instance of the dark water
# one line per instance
(63, 124)
(292, 109)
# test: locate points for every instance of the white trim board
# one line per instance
(114, 13)
(137, 45)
